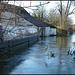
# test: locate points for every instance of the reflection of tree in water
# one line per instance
(62, 42)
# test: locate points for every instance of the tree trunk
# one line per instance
(60, 14)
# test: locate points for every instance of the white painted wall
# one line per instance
(19, 20)
(18, 31)
(21, 28)
(48, 31)
(53, 31)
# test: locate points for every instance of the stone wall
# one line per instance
(14, 46)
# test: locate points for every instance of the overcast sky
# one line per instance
(48, 7)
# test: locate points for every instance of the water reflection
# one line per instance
(62, 42)
(37, 60)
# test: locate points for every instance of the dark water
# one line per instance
(37, 60)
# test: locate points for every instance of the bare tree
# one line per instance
(60, 14)
(40, 13)
(53, 18)
(67, 11)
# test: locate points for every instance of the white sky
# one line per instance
(48, 7)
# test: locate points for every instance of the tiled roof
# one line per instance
(34, 20)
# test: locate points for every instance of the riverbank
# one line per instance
(34, 60)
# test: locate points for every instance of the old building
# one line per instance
(17, 20)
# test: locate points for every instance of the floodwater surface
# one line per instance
(37, 58)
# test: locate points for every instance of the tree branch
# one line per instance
(69, 7)
(73, 12)
(36, 5)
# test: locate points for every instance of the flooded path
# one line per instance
(37, 60)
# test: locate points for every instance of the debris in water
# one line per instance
(52, 54)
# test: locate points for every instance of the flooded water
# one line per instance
(37, 60)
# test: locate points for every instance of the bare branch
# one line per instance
(73, 12)
(67, 7)
(5, 27)
(37, 5)
(56, 8)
